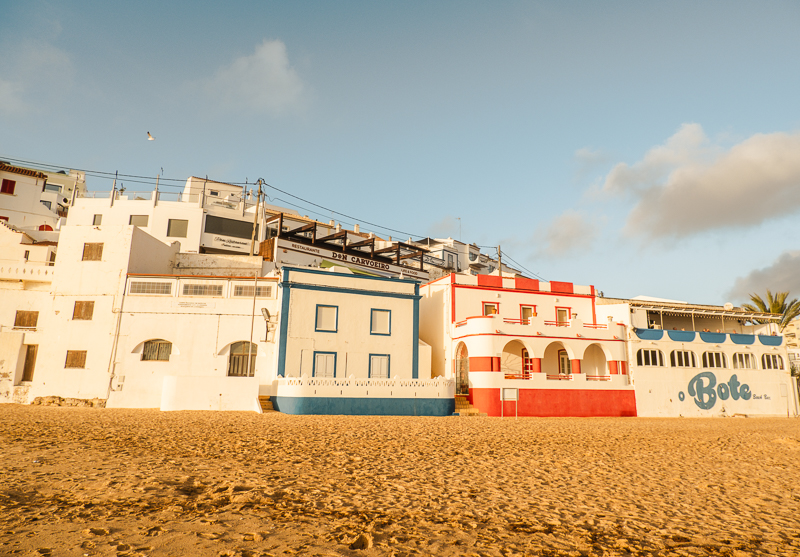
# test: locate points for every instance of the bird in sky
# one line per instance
(150, 137)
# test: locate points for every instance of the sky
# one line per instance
(645, 148)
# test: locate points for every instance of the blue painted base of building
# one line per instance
(364, 406)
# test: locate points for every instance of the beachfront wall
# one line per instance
(350, 345)
(536, 342)
(688, 373)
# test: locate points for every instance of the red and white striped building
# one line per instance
(541, 346)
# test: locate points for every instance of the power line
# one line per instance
(522, 266)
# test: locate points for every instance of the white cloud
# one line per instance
(690, 185)
(567, 233)
(263, 81)
(28, 71)
(783, 275)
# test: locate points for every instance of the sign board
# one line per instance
(225, 242)
(510, 394)
(291, 252)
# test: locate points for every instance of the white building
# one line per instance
(701, 360)
(350, 344)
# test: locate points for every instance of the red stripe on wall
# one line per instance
(576, 366)
(623, 368)
(536, 365)
(484, 363)
(613, 367)
(490, 280)
(522, 283)
(561, 287)
(557, 403)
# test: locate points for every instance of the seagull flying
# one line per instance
(150, 137)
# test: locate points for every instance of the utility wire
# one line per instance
(521, 266)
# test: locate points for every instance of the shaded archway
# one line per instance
(512, 360)
(461, 369)
(556, 360)
(594, 361)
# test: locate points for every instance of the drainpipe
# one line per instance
(252, 323)
(111, 366)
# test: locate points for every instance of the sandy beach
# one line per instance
(88, 481)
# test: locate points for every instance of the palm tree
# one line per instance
(775, 304)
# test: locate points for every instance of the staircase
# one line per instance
(464, 408)
(266, 404)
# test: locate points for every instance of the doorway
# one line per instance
(462, 370)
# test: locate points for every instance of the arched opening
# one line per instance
(594, 362)
(461, 365)
(512, 360)
(46, 228)
(556, 361)
(242, 359)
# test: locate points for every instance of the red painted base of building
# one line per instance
(556, 403)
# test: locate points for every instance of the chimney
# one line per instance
(356, 229)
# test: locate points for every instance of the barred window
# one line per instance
(202, 290)
(649, 357)
(76, 359)
(242, 359)
(92, 252)
(139, 287)
(26, 319)
(682, 358)
(157, 350)
(771, 361)
(247, 291)
(83, 311)
(714, 359)
(743, 361)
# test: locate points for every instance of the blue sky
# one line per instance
(645, 148)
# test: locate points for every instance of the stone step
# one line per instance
(266, 404)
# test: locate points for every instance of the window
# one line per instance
(564, 365)
(744, 361)
(325, 364)
(229, 227)
(247, 291)
(202, 290)
(213, 192)
(527, 362)
(525, 314)
(771, 361)
(8, 187)
(92, 252)
(242, 354)
(138, 287)
(450, 261)
(52, 187)
(379, 366)
(157, 350)
(83, 311)
(563, 315)
(327, 319)
(27, 254)
(490, 308)
(26, 319)
(682, 358)
(714, 359)
(177, 228)
(380, 322)
(139, 220)
(649, 357)
(76, 359)
(473, 256)
(47, 204)
(97, 220)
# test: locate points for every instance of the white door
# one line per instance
(324, 365)
(564, 367)
(379, 367)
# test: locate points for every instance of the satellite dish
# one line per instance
(265, 313)
(728, 306)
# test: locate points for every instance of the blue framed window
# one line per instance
(380, 322)
(324, 364)
(379, 366)
(327, 319)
